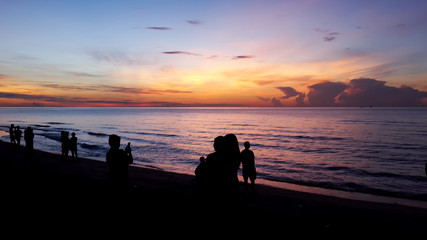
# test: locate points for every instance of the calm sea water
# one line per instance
(372, 150)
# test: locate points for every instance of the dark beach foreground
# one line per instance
(44, 191)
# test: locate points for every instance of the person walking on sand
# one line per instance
(248, 165)
(12, 134)
(73, 146)
(18, 135)
(118, 162)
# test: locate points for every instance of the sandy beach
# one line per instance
(43, 188)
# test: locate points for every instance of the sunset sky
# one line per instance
(213, 53)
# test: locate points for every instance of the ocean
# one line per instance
(380, 151)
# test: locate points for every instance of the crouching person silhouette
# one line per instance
(118, 162)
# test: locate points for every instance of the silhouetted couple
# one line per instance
(118, 161)
(15, 135)
(69, 144)
(218, 172)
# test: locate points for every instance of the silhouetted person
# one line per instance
(118, 162)
(73, 146)
(65, 144)
(221, 169)
(18, 135)
(128, 150)
(248, 165)
(200, 172)
(232, 154)
(214, 170)
(12, 134)
(29, 139)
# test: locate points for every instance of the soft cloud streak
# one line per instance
(181, 53)
(159, 28)
(242, 57)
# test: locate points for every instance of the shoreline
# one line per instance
(54, 184)
(362, 196)
(359, 196)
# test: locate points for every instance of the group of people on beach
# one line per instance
(219, 171)
(67, 144)
(15, 134)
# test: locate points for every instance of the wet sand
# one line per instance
(44, 190)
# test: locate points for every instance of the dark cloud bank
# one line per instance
(360, 92)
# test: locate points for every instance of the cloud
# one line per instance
(324, 94)
(357, 93)
(242, 57)
(401, 26)
(264, 99)
(83, 74)
(276, 102)
(364, 92)
(371, 92)
(3, 76)
(117, 58)
(182, 52)
(127, 90)
(329, 35)
(159, 28)
(113, 89)
(291, 92)
(64, 101)
(29, 97)
(76, 87)
(194, 22)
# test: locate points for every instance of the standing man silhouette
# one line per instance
(73, 146)
(248, 165)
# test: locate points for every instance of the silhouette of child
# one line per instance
(73, 145)
(118, 162)
(248, 163)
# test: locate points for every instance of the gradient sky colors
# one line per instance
(213, 53)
